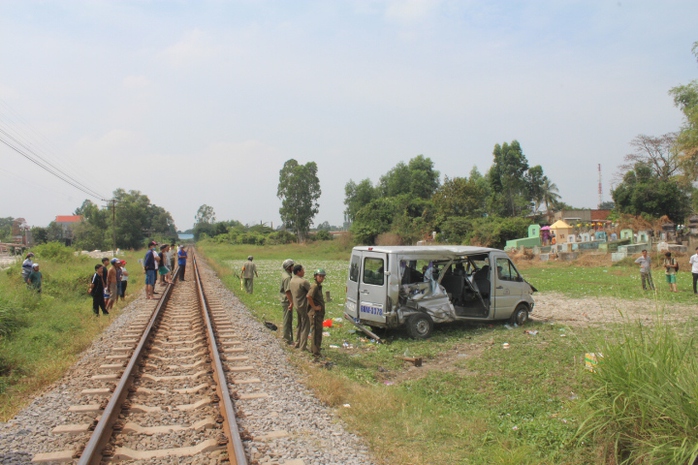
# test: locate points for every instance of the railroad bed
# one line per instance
(172, 410)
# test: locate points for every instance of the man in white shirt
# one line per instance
(693, 261)
(645, 270)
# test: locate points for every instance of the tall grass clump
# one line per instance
(645, 408)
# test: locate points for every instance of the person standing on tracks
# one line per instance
(171, 253)
(27, 265)
(316, 310)
(163, 268)
(249, 272)
(97, 291)
(287, 300)
(150, 266)
(299, 288)
(182, 261)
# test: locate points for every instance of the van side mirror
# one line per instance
(519, 279)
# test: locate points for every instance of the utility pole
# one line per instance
(600, 188)
(113, 227)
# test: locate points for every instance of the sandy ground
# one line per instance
(590, 311)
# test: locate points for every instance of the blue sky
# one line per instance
(197, 103)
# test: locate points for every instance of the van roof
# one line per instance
(426, 249)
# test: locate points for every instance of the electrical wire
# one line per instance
(48, 166)
(14, 139)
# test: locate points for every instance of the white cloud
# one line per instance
(193, 48)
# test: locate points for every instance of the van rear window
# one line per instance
(373, 271)
(354, 268)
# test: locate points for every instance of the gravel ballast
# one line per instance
(288, 426)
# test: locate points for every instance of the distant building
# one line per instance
(67, 223)
(21, 233)
(581, 216)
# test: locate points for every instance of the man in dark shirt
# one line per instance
(97, 290)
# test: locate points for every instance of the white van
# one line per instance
(417, 286)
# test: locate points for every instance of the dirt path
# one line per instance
(589, 311)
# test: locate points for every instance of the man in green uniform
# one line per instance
(249, 272)
(316, 314)
(287, 300)
(299, 288)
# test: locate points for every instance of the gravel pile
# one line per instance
(288, 426)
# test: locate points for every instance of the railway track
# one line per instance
(164, 395)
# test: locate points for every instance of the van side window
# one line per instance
(373, 271)
(354, 268)
(505, 270)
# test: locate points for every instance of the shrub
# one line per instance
(323, 235)
(54, 251)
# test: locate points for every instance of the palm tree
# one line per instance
(549, 195)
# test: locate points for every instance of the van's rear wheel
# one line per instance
(420, 326)
(520, 315)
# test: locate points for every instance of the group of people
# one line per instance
(162, 264)
(108, 284)
(308, 300)
(671, 267)
(31, 273)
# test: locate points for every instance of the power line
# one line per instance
(56, 172)
(27, 150)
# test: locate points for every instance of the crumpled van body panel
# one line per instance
(391, 286)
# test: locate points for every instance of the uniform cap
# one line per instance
(319, 272)
(250, 257)
(288, 262)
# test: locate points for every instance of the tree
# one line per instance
(205, 214)
(299, 190)
(659, 153)
(686, 98)
(510, 188)
(418, 178)
(356, 196)
(643, 191)
(607, 205)
(460, 197)
(549, 196)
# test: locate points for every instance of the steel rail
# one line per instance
(236, 450)
(92, 453)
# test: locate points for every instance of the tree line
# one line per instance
(658, 175)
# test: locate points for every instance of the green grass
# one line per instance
(621, 281)
(42, 336)
(473, 402)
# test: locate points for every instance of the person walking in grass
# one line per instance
(97, 290)
(34, 279)
(299, 288)
(316, 313)
(249, 272)
(287, 300)
(645, 270)
(693, 261)
(670, 268)
(27, 265)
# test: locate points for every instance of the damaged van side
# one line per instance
(417, 286)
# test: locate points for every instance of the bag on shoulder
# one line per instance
(677, 265)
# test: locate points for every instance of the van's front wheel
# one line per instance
(520, 315)
(419, 326)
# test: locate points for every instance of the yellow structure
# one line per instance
(561, 230)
